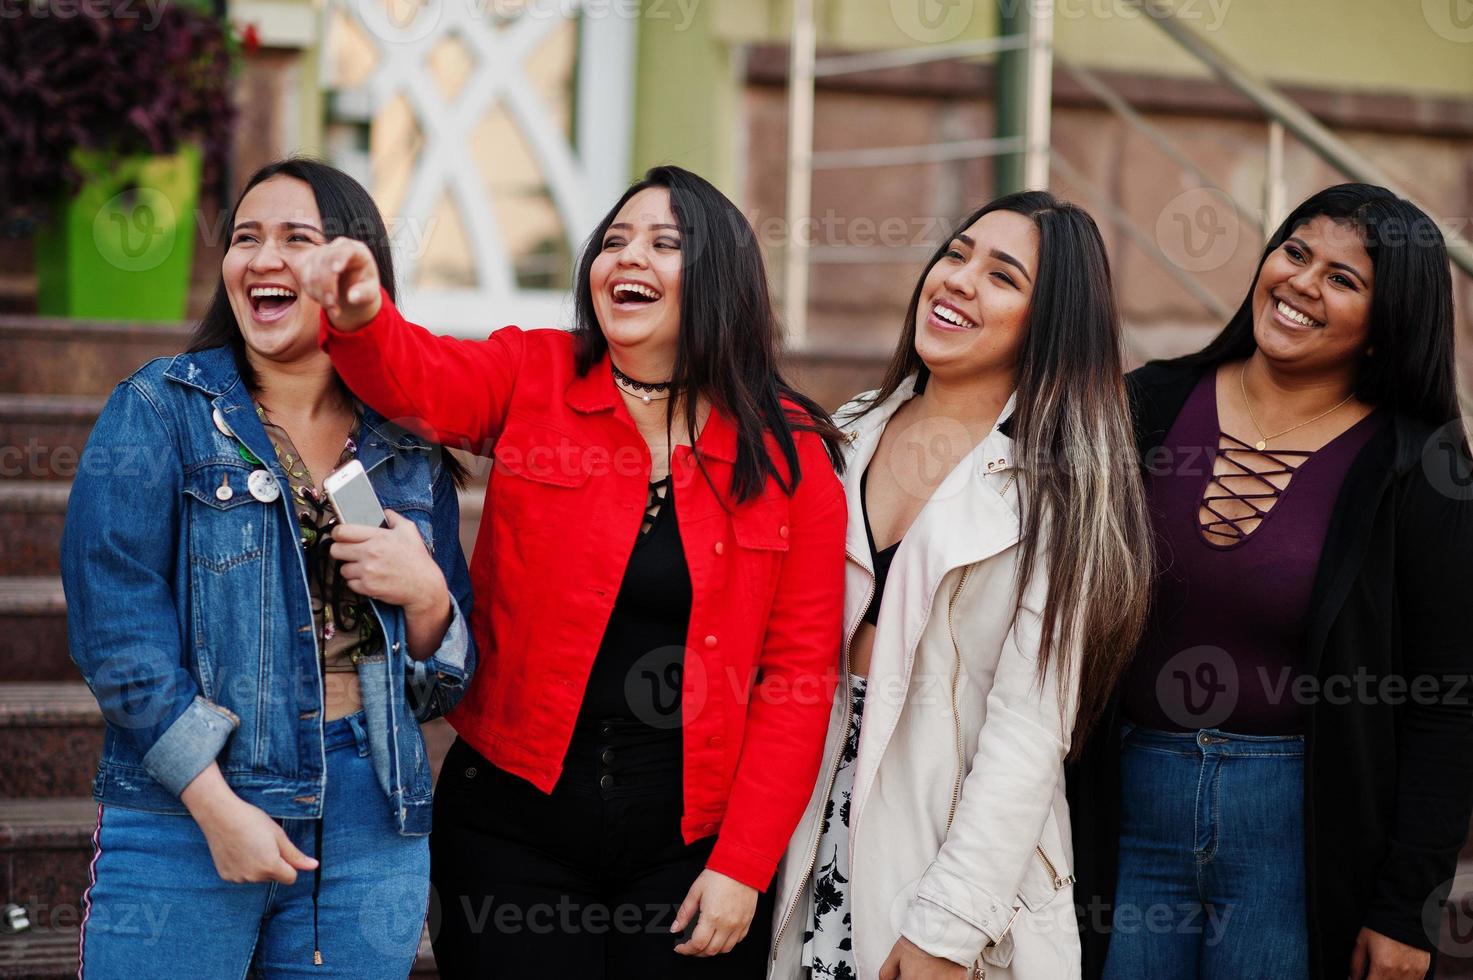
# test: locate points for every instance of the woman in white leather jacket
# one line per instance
(997, 577)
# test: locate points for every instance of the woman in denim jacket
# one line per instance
(262, 668)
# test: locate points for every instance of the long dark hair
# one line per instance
(1411, 319)
(727, 351)
(1084, 522)
(346, 209)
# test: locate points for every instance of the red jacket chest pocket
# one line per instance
(760, 530)
(539, 476)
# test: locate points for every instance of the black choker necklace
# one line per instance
(643, 389)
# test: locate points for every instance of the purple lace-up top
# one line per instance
(1225, 641)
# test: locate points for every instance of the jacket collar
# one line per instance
(965, 520)
(596, 392)
(214, 372)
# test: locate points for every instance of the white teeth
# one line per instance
(625, 289)
(1292, 314)
(265, 291)
(951, 316)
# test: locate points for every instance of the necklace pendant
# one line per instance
(1260, 445)
(646, 398)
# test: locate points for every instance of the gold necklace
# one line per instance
(1263, 439)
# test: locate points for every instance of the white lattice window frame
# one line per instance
(582, 185)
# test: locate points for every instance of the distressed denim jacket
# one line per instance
(188, 608)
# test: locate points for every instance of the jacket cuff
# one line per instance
(737, 862)
(190, 744)
(1411, 932)
(327, 332)
(942, 932)
(430, 679)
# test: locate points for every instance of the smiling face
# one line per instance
(635, 279)
(1312, 299)
(276, 220)
(974, 301)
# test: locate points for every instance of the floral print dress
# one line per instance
(828, 942)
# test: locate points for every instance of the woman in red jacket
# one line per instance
(658, 584)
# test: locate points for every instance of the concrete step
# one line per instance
(42, 436)
(32, 513)
(39, 954)
(45, 850)
(51, 954)
(56, 356)
(50, 740)
(33, 644)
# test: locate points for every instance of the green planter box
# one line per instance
(122, 248)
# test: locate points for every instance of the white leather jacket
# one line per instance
(959, 830)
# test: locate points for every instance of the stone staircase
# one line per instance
(55, 376)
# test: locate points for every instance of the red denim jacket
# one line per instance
(563, 509)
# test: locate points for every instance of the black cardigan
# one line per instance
(1388, 780)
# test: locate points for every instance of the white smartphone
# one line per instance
(352, 495)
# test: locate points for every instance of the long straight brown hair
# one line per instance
(1084, 514)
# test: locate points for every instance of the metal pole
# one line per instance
(1040, 75)
(1009, 101)
(801, 56)
(1308, 130)
(1273, 179)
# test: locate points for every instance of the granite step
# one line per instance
(50, 740)
(33, 642)
(51, 954)
(39, 954)
(32, 513)
(42, 436)
(45, 850)
(47, 355)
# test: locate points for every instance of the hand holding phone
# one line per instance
(352, 497)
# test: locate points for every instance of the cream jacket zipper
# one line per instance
(834, 769)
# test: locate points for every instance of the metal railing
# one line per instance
(1282, 115)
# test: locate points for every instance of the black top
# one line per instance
(881, 559)
(637, 674)
(1388, 768)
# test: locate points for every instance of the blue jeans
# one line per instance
(1211, 877)
(156, 905)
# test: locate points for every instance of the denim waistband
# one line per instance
(349, 730)
(1211, 741)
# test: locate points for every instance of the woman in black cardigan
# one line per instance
(1286, 778)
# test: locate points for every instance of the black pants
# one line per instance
(583, 883)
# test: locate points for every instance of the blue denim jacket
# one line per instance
(189, 614)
